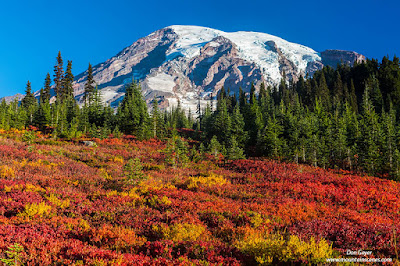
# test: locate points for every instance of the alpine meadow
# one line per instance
(196, 146)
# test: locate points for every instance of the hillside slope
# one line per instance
(67, 203)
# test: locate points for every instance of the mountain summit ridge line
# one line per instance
(185, 63)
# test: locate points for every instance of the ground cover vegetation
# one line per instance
(129, 202)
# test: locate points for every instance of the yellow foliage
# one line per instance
(131, 193)
(210, 180)
(33, 188)
(273, 248)
(75, 183)
(83, 224)
(6, 172)
(71, 223)
(21, 163)
(59, 203)
(106, 175)
(181, 231)
(33, 209)
(117, 159)
(40, 163)
(256, 219)
(112, 193)
(27, 187)
(155, 200)
(144, 187)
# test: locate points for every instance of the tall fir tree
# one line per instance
(89, 86)
(58, 78)
(47, 89)
(29, 102)
(67, 81)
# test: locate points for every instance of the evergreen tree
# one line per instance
(337, 93)
(29, 98)
(58, 78)
(47, 89)
(237, 127)
(29, 102)
(270, 140)
(132, 114)
(222, 122)
(89, 86)
(67, 81)
(353, 97)
(214, 148)
(156, 120)
(234, 151)
(323, 92)
(370, 135)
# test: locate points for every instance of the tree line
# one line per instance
(344, 118)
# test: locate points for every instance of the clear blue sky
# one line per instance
(32, 32)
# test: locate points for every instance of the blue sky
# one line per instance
(32, 32)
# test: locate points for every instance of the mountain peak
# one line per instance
(190, 64)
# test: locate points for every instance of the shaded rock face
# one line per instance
(190, 64)
(334, 57)
(9, 99)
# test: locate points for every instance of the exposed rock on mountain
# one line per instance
(9, 99)
(185, 63)
(335, 57)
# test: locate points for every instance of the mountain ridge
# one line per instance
(190, 64)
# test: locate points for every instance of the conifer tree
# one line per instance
(132, 114)
(58, 78)
(46, 89)
(237, 128)
(67, 81)
(214, 148)
(337, 93)
(234, 151)
(156, 120)
(271, 138)
(89, 86)
(29, 102)
(29, 98)
(323, 92)
(222, 122)
(353, 97)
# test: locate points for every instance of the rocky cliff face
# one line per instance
(335, 57)
(188, 63)
(9, 99)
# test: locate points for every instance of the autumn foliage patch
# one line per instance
(123, 203)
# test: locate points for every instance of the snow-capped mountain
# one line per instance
(186, 62)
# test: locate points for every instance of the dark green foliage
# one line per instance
(132, 115)
(234, 152)
(133, 171)
(89, 86)
(45, 97)
(176, 151)
(29, 102)
(68, 90)
(58, 78)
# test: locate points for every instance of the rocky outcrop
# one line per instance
(334, 57)
(9, 99)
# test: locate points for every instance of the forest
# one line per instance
(343, 118)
